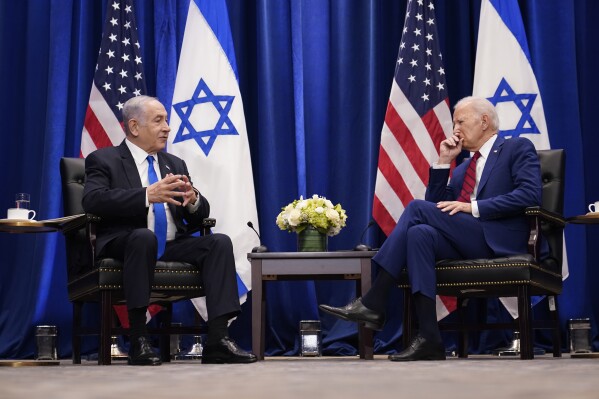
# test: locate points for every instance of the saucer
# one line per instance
(18, 220)
(592, 214)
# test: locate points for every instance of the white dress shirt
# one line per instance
(140, 158)
(485, 150)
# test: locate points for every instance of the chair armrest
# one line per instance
(207, 224)
(68, 224)
(90, 230)
(553, 218)
(536, 216)
(91, 220)
(204, 228)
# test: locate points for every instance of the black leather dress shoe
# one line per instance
(357, 312)
(420, 349)
(142, 354)
(226, 351)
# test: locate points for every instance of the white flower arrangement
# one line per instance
(317, 211)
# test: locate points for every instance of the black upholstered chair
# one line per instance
(520, 276)
(100, 280)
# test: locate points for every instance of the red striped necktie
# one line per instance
(469, 179)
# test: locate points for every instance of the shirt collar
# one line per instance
(139, 154)
(486, 148)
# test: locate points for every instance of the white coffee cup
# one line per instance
(594, 207)
(20, 213)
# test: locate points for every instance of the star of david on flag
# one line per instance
(523, 102)
(504, 75)
(200, 111)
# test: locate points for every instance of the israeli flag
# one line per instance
(208, 130)
(504, 75)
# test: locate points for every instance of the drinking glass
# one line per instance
(22, 200)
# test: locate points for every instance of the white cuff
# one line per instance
(194, 207)
(475, 211)
(441, 165)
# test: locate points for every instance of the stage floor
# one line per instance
(478, 377)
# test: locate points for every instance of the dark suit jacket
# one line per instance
(114, 192)
(510, 182)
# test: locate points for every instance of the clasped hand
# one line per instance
(169, 187)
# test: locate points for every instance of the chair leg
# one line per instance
(408, 317)
(462, 334)
(76, 332)
(525, 323)
(165, 339)
(557, 336)
(105, 328)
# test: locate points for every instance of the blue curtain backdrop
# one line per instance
(315, 78)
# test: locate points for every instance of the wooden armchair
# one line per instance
(100, 280)
(520, 276)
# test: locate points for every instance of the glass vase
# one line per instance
(311, 240)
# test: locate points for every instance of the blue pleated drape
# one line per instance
(315, 78)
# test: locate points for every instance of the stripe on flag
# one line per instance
(417, 120)
(511, 86)
(209, 132)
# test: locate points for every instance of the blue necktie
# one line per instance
(159, 212)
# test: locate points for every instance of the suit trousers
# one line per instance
(212, 254)
(425, 234)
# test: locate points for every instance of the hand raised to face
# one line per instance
(449, 149)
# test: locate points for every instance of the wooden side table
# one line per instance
(589, 218)
(64, 224)
(18, 226)
(279, 266)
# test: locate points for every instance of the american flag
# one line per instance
(417, 118)
(118, 77)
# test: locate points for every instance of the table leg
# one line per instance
(258, 309)
(365, 345)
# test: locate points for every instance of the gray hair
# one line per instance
(134, 109)
(481, 106)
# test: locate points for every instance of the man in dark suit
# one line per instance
(138, 190)
(478, 214)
